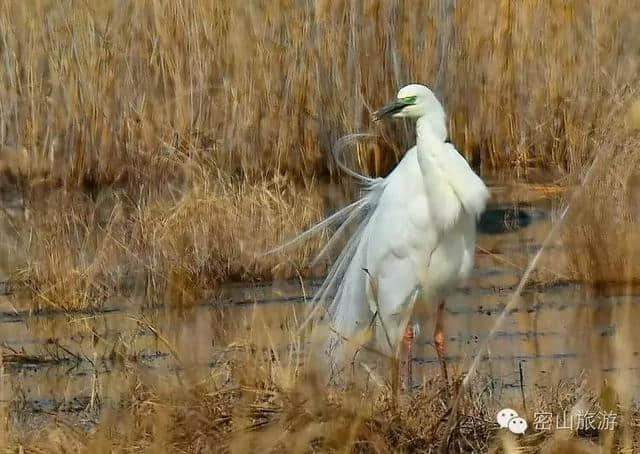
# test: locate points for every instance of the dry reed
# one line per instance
(156, 146)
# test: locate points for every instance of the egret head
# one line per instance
(415, 101)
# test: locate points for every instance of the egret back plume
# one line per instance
(331, 222)
(360, 218)
(334, 241)
(338, 150)
(352, 218)
(343, 218)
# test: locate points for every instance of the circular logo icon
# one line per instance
(504, 416)
(517, 425)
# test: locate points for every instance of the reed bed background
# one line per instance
(156, 147)
(134, 112)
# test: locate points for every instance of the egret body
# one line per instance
(414, 238)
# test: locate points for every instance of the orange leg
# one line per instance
(439, 339)
(408, 339)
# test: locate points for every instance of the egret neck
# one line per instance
(432, 123)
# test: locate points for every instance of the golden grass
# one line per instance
(601, 237)
(155, 147)
(140, 109)
(79, 250)
(95, 89)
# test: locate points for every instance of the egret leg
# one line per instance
(408, 339)
(438, 340)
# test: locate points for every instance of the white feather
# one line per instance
(419, 234)
(414, 232)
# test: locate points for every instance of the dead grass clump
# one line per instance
(207, 415)
(74, 251)
(219, 232)
(602, 237)
(72, 257)
(210, 414)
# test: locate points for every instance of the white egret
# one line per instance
(414, 237)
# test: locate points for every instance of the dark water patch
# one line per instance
(6, 288)
(78, 366)
(23, 315)
(74, 404)
(505, 358)
(508, 218)
(16, 361)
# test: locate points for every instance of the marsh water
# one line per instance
(72, 365)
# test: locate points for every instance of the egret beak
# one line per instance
(393, 107)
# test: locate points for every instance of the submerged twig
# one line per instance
(159, 335)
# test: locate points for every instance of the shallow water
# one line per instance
(69, 364)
